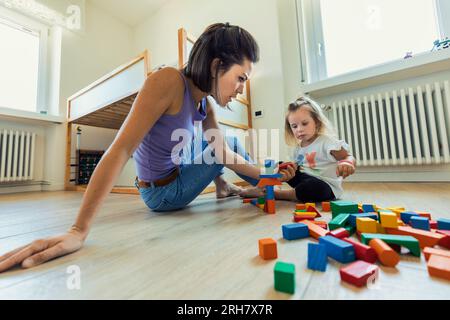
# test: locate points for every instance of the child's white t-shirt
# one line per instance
(317, 160)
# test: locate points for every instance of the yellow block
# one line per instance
(306, 214)
(366, 225)
(309, 204)
(388, 220)
(380, 228)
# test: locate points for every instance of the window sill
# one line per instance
(416, 66)
(8, 114)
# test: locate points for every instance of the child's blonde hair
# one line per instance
(323, 125)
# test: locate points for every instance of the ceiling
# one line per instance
(131, 12)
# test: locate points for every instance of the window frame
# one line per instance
(313, 47)
(9, 17)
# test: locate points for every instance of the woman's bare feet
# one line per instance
(225, 189)
(252, 192)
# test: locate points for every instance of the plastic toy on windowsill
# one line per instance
(441, 44)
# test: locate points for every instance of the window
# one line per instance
(348, 35)
(22, 63)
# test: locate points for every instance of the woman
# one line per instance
(219, 64)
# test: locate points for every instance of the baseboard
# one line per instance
(5, 189)
(402, 174)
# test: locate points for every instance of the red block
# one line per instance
(300, 219)
(358, 273)
(326, 207)
(362, 251)
(248, 200)
(285, 165)
(312, 209)
(433, 224)
(340, 233)
(444, 242)
(424, 214)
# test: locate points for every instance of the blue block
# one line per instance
(443, 224)
(295, 231)
(317, 257)
(269, 163)
(275, 175)
(254, 202)
(354, 216)
(270, 193)
(338, 249)
(406, 216)
(368, 208)
(420, 223)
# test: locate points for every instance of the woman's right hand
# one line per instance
(43, 250)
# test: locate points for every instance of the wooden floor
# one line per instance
(207, 251)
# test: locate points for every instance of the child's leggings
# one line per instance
(310, 189)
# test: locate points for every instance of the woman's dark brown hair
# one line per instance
(229, 44)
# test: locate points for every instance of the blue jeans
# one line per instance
(191, 181)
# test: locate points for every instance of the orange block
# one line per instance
(268, 249)
(427, 252)
(270, 206)
(315, 230)
(322, 224)
(386, 254)
(439, 266)
(300, 206)
(426, 238)
(269, 182)
(326, 207)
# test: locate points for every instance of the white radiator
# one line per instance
(16, 155)
(406, 127)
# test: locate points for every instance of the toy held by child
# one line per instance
(321, 160)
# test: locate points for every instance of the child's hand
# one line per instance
(345, 168)
(288, 173)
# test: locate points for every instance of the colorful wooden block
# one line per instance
(270, 176)
(386, 254)
(317, 257)
(295, 231)
(300, 206)
(339, 221)
(326, 207)
(426, 238)
(341, 206)
(368, 208)
(300, 218)
(433, 224)
(268, 163)
(261, 200)
(315, 231)
(337, 249)
(421, 223)
(439, 266)
(359, 273)
(411, 243)
(310, 204)
(270, 193)
(268, 248)
(443, 224)
(313, 209)
(427, 252)
(406, 216)
(305, 214)
(445, 241)
(351, 230)
(380, 228)
(268, 182)
(322, 224)
(366, 225)
(353, 217)
(248, 200)
(284, 277)
(285, 165)
(388, 220)
(270, 206)
(424, 214)
(340, 233)
(362, 251)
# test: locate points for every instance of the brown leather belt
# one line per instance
(160, 182)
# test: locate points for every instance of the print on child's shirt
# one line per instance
(311, 162)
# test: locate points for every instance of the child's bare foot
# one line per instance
(252, 192)
(225, 189)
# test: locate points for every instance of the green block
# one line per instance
(351, 230)
(340, 206)
(298, 210)
(261, 200)
(408, 242)
(340, 221)
(284, 274)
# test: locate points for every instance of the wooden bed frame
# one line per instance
(107, 102)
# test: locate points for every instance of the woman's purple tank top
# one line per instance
(153, 157)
